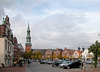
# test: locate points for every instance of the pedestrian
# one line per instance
(14, 63)
(20, 63)
(28, 63)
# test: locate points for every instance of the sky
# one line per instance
(54, 23)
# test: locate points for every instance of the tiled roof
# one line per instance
(79, 52)
(71, 51)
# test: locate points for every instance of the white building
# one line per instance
(76, 54)
(6, 43)
(86, 55)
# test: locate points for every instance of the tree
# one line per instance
(65, 56)
(54, 56)
(26, 55)
(40, 56)
(94, 48)
(30, 53)
(35, 55)
(31, 57)
(79, 57)
(50, 57)
(47, 58)
(59, 56)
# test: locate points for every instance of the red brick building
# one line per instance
(57, 52)
(16, 50)
(67, 53)
(49, 53)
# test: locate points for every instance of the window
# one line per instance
(5, 44)
(8, 46)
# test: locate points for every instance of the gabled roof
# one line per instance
(71, 51)
(79, 52)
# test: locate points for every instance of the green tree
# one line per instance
(30, 53)
(94, 48)
(26, 55)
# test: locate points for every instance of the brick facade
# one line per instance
(67, 53)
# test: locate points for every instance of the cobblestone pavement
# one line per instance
(37, 67)
(13, 69)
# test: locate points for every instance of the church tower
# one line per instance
(28, 41)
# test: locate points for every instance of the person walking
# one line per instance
(20, 63)
(28, 62)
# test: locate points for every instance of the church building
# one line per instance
(28, 41)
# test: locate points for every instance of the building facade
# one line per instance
(6, 43)
(77, 54)
(57, 52)
(16, 50)
(67, 53)
(21, 51)
(28, 41)
(49, 53)
(86, 55)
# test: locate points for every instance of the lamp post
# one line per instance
(81, 55)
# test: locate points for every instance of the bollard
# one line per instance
(83, 68)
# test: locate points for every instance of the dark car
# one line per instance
(56, 63)
(42, 62)
(74, 64)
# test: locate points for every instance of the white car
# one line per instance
(64, 62)
(89, 61)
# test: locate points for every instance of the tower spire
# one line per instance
(28, 39)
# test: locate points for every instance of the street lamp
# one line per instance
(81, 55)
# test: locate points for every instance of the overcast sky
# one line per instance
(54, 23)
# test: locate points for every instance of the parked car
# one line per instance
(56, 63)
(42, 62)
(50, 62)
(63, 63)
(74, 64)
(89, 61)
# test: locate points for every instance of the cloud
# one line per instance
(5, 4)
(61, 30)
(54, 23)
